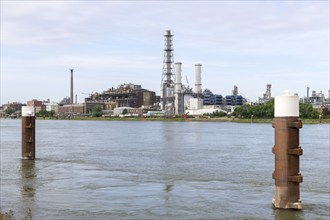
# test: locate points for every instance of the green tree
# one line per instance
(306, 110)
(125, 111)
(326, 113)
(217, 114)
(51, 113)
(265, 110)
(97, 111)
(9, 111)
(45, 113)
(42, 113)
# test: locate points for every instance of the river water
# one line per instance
(156, 170)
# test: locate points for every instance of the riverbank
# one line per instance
(220, 119)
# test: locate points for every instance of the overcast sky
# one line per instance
(243, 43)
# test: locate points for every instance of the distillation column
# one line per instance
(287, 151)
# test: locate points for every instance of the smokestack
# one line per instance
(71, 87)
(198, 78)
(178, 83)
(307, 92)
(235, 91)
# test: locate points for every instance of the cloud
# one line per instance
(40, 23)
(113, 41)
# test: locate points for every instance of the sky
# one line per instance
(244, 43)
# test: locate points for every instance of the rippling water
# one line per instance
(156, 170)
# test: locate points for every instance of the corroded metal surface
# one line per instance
(287, 151)
(28, 137)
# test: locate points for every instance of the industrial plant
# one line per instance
(175, 97)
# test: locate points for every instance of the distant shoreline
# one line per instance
(221, 119)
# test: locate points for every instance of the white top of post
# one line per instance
(28, 111)
(287, 105)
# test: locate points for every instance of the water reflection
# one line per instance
(288, 214)
(28, 179)
(168, 187)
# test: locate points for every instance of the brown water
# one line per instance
(156, 170)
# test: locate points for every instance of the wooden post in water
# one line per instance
(28, 133)
(287, 151)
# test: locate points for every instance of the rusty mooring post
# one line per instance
(287, 151)
(28, 133)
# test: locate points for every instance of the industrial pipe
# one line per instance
(287, 151)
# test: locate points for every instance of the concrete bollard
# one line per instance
(287, 151)
(28, 133)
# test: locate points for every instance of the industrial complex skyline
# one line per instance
(107, 43)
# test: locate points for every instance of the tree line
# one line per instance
(266, 110)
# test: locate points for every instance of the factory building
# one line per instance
(235, 99)
(71, 110)
(50, 106)
(88, 105)
(211, 99)
(317, 99)
(16, 106)
(38, 105)
(125, 95)
(267, 96)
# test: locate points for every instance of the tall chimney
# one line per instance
(235, 90)
(71, 87)
(178, 84)
(198, 78)
(307, 92)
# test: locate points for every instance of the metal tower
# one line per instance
(167, 84)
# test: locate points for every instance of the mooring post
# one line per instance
(287, 151)
(28, 133)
